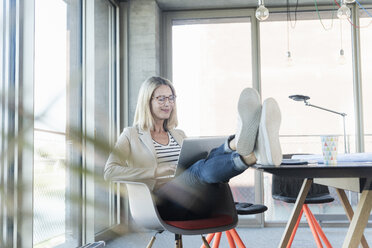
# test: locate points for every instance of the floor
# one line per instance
(267, 237)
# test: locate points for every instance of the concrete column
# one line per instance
(143, 47)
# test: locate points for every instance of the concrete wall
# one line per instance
(144, 20)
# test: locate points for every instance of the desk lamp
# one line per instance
(305, 98)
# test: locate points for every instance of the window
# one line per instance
(316, 70)
(56, 214)
(75, 120)
(212, 63)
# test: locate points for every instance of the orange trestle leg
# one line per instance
(316, 230)
(230, 239)
(319, 229)
(312, 228)
(216, 241)
(295, 229)
(236, 238)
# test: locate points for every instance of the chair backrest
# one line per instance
(224, 205)
(288, 188)
(142, 207)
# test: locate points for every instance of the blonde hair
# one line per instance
(143, 116)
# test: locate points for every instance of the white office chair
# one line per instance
(144, 212)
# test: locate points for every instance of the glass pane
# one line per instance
(49, 189)
(50, 64)
(211, 65)
(315, 70)
(53, 213)
(366, 62)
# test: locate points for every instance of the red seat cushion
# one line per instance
(215, 221)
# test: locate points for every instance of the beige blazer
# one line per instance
(134, 156)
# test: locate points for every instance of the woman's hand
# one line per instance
(165, 170)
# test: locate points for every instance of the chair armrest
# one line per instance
(142, 205)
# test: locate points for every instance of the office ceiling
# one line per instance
(220, 4)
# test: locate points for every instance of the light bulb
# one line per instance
(349, 1)
(289, 59)
(262, 13)
(343, 12)
(341, 58)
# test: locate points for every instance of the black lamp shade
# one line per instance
(299, 97)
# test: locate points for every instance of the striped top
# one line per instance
(167, 154)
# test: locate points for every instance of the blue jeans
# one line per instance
(184, 197)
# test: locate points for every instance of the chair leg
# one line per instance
(153, 238)
(207, 241)
(295, 229)
(230, 239)
(217, 239)
(319, 229)
(149, 245)
(236, 238)
(312, 227)
(178, 240)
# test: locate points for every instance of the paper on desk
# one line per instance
(342, 157)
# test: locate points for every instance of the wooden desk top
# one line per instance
(341, 170)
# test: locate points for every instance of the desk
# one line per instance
(350, 176)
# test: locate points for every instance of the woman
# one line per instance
(150, 148)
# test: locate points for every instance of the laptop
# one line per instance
(194, 149)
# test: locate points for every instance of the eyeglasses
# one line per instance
(162, 99)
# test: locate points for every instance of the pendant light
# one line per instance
(288, 53)
(341, 57)
(262, 13)
(343, 12)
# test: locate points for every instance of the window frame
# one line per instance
(117, 83)
(17, 123)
